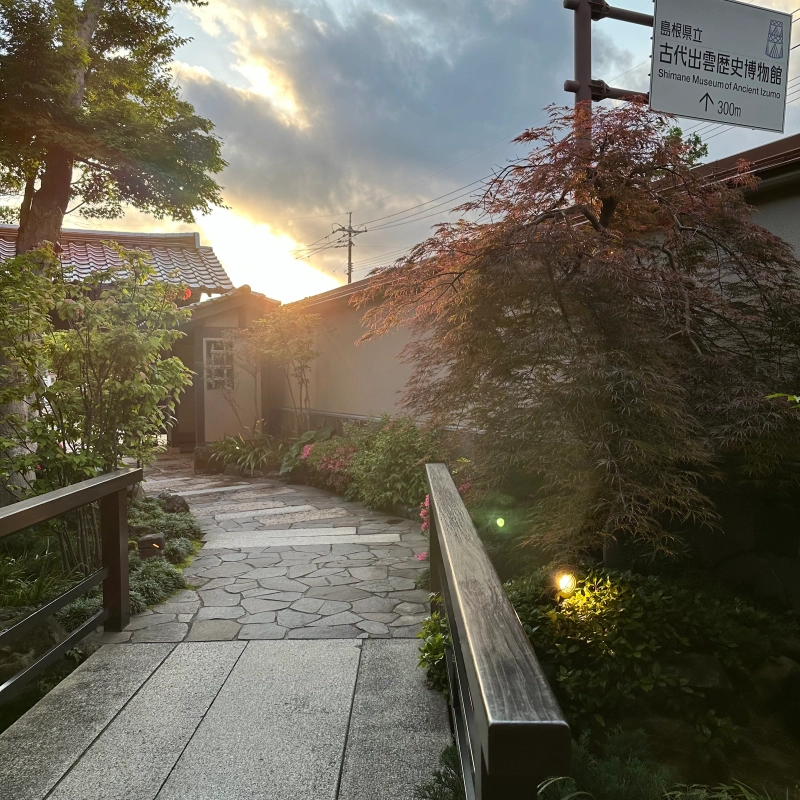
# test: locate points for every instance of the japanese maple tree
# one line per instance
(610, 325)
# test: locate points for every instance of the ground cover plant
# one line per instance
(679, 661)
(32, 573)
(257, 453)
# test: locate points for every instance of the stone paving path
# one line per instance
(179, 706)
(285, 562)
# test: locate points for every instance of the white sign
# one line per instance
(721, 60)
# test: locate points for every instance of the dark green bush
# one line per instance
(156, 580)
(172, 526)
(151, 582)
(79, 610)
(259, 453)
(623, 771)
(447, 783)
(178, 550)
(435, 635)
(608, 646)
(388, 465)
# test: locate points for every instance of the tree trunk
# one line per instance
(41, 220)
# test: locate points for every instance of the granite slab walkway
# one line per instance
(285, 562)
(205, 696)
(259, 720)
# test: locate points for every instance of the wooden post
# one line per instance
(434, 558)
(114, 535)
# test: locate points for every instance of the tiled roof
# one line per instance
(84, 253)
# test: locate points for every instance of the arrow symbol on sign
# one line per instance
(707, 99)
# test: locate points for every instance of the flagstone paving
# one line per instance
(196, 699)
(285, 562)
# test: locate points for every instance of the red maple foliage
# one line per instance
(610, 319)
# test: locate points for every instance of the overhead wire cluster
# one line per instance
(429, 209)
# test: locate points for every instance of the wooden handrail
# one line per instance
(511, 731)
(38, 509)
(111, 491)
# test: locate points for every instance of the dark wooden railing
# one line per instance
(111, 491)
(509, 729)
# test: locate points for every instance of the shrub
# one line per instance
(173, 526)
(151, 582)
(294, 455)
(328, 463)
(79, 610)
(435, 635)
(388, 465)
(447, 783)
(178, 550)
(609, 645)
(624, 771)
(156, 580)
(259, 453)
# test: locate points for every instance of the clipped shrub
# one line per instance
(150, 512)
(623, 771)
(156, 580)
(435, 635)
(620, 644)
(79, 610)
(176, 551)
(328, 463)
(388, 463)
(447, 783)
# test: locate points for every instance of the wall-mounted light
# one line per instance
(566, 582)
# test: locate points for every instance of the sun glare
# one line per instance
(251, 253)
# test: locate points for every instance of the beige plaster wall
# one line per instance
(779, 213)
(220, 418)
(355, 380)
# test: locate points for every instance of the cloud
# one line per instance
(343, 103)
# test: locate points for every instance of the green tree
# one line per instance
(611, 324)
(91, 119)
(96, 385)
(285, 339)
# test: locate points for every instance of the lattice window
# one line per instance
(219, 364)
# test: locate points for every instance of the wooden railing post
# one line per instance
(434, 560)
(114, 533)
(510, 731)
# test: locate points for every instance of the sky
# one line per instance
(392, 109)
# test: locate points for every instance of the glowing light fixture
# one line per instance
(500, 522)
(566, 583)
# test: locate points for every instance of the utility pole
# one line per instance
(351, 232)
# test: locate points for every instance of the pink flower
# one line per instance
(425, 514)
(421, 556)
(306, 452)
